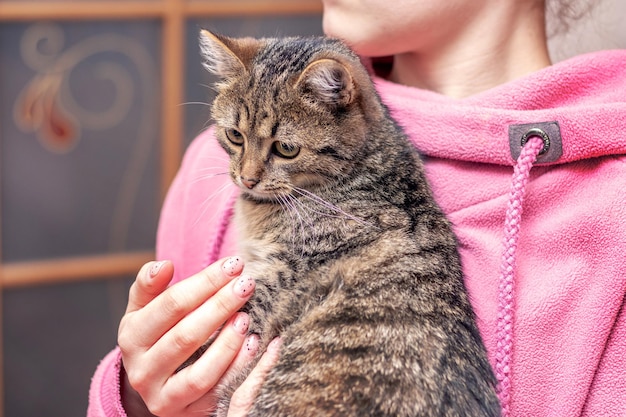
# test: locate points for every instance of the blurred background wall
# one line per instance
(98, 100)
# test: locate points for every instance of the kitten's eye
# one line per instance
(234, 136)
(285, 150)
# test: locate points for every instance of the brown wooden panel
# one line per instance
(21, 274)
(133, 9)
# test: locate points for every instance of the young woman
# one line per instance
(502, 131)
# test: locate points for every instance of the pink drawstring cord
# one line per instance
(506, 295)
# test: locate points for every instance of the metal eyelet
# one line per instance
(535, 131)
(550, 134)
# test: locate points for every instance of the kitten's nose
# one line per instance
(249, 182)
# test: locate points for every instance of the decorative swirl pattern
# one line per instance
(48, 107)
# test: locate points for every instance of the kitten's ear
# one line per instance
(226, 56)
(329, 81)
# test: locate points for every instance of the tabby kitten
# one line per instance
(356, 266)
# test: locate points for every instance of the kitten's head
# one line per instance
(290, 112)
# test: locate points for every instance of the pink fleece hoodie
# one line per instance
(565, 281)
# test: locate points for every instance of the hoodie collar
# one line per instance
(585, 95)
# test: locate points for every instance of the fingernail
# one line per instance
(232, 266)
(275, 344)
(242, 321)
(244, 285)
(155, 268)
(252, 343)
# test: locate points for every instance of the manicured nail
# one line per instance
(155, 268)
(252, 343)
(242, 321)
(275, 344)
(232, 266)
(244, 285)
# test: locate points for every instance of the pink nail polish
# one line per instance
(155, 268)
(275, 344)
(252, 343)
(244, 285)
(232, 266)
(242, 321)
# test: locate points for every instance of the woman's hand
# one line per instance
(163, 326)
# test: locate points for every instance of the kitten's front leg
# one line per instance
(272, 307)
(259, 309)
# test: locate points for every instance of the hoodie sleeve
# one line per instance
(104, 395)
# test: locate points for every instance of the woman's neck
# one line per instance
(489, 52)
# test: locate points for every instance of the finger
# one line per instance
(151, 281)
(208, 402)
(150, 323)
(246, 354)
(191, 384)
(243, 398)
(180, 342)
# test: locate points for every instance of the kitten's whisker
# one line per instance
(216, 170)
(290, 202)
(207, 177)
(290, 210)
(194, 102)
(216, 158)
(283, 206)
(341, 213)
(295, 204)
(206, 126)
(210, 87)
(205, 205)
(325, 214)
(305, 210)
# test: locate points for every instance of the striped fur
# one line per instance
(356, 266)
